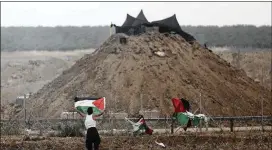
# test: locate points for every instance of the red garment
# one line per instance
(148, 131)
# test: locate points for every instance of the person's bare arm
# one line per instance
(98, 115)
(80, 113)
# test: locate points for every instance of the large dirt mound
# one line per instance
(130, 75)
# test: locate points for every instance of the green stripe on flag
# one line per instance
(196, 121)
(182, 118)
(84, 109)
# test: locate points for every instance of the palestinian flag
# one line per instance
(182, 106)
(140, 126)
(83, 103)
(182, 114)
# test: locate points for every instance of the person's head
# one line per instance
(90, 110)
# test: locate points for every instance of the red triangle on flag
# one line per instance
(100, 103)
(178, 105)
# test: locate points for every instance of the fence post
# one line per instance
(200, 125)
(111, 123)
(207, 125)
(262, 117)
(165, 126)
(231, 125)
(172, 125)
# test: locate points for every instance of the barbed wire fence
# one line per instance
(70, 124)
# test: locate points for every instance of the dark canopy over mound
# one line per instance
(171, 24)
(129, 21)
(141, 19)
(135, 26)
(126, 25)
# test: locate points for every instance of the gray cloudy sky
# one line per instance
(91, 13)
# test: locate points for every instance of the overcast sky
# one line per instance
(103, 13)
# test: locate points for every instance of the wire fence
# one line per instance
(30, 130)
(112, 126)
(34, 131)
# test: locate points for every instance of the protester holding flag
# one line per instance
(93, 108)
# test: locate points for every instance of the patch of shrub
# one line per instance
(10, 128)
(70, 129)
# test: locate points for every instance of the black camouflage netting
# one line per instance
(135, 26)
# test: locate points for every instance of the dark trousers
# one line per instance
(92, 139)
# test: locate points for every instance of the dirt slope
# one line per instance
(257, 64)
(125, 74)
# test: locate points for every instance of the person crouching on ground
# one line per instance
(92, 136)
